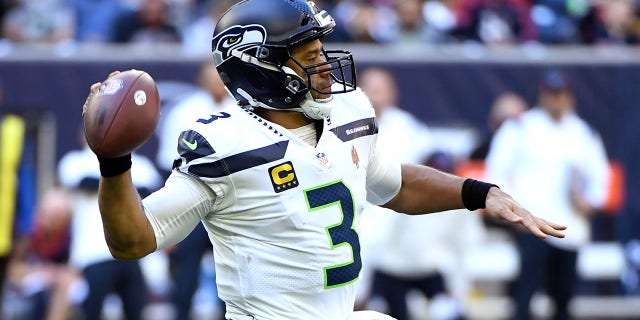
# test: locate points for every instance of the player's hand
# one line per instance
(500, 204)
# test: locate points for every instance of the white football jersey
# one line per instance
(284, 224)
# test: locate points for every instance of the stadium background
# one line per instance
(444, 86)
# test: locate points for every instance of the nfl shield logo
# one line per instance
(322, 158)
(110, 87)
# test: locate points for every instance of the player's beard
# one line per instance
(321, 86)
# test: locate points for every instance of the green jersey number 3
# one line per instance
(341, 234)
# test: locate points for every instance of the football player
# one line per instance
(279, 181)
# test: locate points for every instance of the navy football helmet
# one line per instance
(253, 40)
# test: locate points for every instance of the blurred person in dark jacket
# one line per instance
(95, 19)
(495, 22)
(149, 23)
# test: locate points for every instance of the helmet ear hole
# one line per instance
(263, 53)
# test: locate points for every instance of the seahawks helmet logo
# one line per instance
(237, 39)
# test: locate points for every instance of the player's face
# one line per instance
(307, 54)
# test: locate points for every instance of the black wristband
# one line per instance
(474, 193)
(110, 167)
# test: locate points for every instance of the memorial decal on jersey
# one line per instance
(234, 40)
(283, 177)
(354, 157)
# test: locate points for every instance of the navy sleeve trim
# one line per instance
(240, 161)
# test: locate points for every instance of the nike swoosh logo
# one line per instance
(191, 145)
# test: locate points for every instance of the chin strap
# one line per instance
(316, 108)
(312, 108)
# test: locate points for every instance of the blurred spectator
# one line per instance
(495, 22)
(340, 32)
(78, 171)
(426, 256)
(39, 270)
(95, 19)
(196, 37)
(411, 25)
(48, 21)
(5, 6)
(555, 164)
(415, 21)
(380, 21)
(186, 257)
(210, 98)
(617, 23)
(430, 259)
(149, 23)
(184, 12)
(17, 185)
(506, 106)
(441, 19)
(408, 253)
(559, 21)
(364, 21)
(380, 86)
(400, 142)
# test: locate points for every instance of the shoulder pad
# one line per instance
(192, 145)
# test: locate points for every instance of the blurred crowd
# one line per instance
(56, 263)
(190, 22)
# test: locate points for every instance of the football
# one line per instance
(122, 114)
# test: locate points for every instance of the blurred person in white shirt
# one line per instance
(186, 257)
(556, 165)
(406, 137)
(404, 253)
(196, 36)
(507, 105)
(210, 98)
(78, 172)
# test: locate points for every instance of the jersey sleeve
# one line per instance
(384, 178)
(176, 209)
